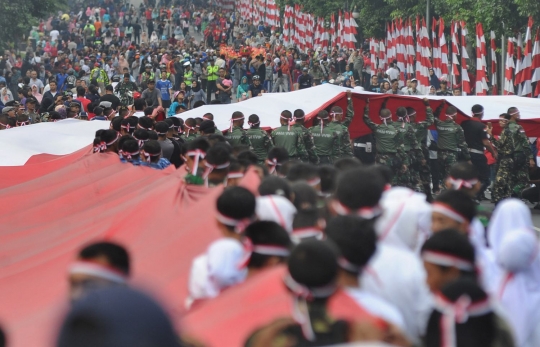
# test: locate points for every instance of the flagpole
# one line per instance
(427, 15)
(503, 63)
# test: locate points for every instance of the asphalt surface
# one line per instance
(535, 213)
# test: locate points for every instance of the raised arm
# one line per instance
(366, 118)
(350, 110)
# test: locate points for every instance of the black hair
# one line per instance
(355, 238)
(161, 128)
(116, 123)
(345, 164)
(247, 157)
(451, 242)
(463, 171)
(216, 138)
(299, 113)
(148, 111)
(123, 139)
(218, 155)
(306, 218)
(383, 171)
(505, 116)
(280, 154)
(477, 330)
(254, 121)
(269, 234)
(410, 111)
(236, 203)
(328, 175)
(460, 202)
(152, 135)
(451, 110)
(314, 263)
(146, 123)
(153, 148)
(130, 124)
(130, 146)
(359, 188)
(198, 103)
(286, 114)
(401, 112)
(477, 109)
(305, 197)
(198, 143)
(116, 255)
(274, 185)
(142, 136)
(511, 110)
(139, 104)
(302, 172)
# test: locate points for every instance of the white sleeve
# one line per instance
(224, 256)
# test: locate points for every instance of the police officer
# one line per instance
(325, 138)
(407, 179)
(260, 140)
(451, 139)
(476, 137)
(147, 75)
(389, 142)
(522, 153)
(290, 138)
(236, 134)
(506, 146)
(342, 128)
(421, 165)
(299, 117)
(304, 80)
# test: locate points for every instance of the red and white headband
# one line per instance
(363, 212)
(198, 154)
(238, 224)
(272, 250)
(448, 212)
(128, 155)
(449, 260)
(458, 183)
(85, 267)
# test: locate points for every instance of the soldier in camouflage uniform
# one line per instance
(325, 138)
(308, 139)
(451, 138)
(521, 154)
(410, 143)
(341, 127)
(420, 168)
(389, 142)
(209, 116)
(190, 134)
(290, 138)
(125, 91)
(506, 146)
(260, 140)
(236, 134)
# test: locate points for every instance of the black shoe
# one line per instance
(537, 206)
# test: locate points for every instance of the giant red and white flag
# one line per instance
(509, 69)
(339, 34)
(493, 46)
(423, 62)
(527, 62)
(465, 81)
(401, 50)
(333, 36)
(481, 65)
(455, 51)
(409, 38)
(287, 26)
(373, 56)
(382, 56)
(536, 64)
(390, 38)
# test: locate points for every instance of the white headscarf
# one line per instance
(509, 215)
(519, 289)
(277, 209)
(154, 37)
(406, 218)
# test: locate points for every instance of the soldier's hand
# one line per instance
(532, 163)
(367, 101)
(426, 101)
(349, 93)
(423, 162)
(404, 168)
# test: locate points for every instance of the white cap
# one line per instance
(277, 60)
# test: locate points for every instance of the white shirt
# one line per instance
(376, 306)
(54, 35)
(393, 73)
(398, 276)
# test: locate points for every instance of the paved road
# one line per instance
(535, 213)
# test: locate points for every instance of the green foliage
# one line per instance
(18, 16)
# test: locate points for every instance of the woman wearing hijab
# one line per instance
(178, 98)
(432, 90)
(242, 90)
(178, 33)
(36, 94)
(195, 94)
(434, 80)
(154, 38)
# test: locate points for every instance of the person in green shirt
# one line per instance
(521, 154)
(421, 165)
(236, 134)
(389, 142)
(506, 147)
(451, 139)
(260, 140)
(341, 127)
(190, 132)
(410, 143)
(299, 117)
(290, 138)
(212, 70)
(325, 138)
(209, 116)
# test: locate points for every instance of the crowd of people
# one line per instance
(391, 218)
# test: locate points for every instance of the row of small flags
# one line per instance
(414, 52)
(522, 67)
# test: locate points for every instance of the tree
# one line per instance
(17, 17)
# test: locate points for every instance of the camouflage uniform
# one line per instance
(238, 136)
(390, 147)
(291, 140)
(421, 172)
(410, 143)
(188, 138)
(342, 130)
(522, 155)
(308, 143)
(451, 140)
(261, 142)
(326, 143)
(125, 91)
(504, 180)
